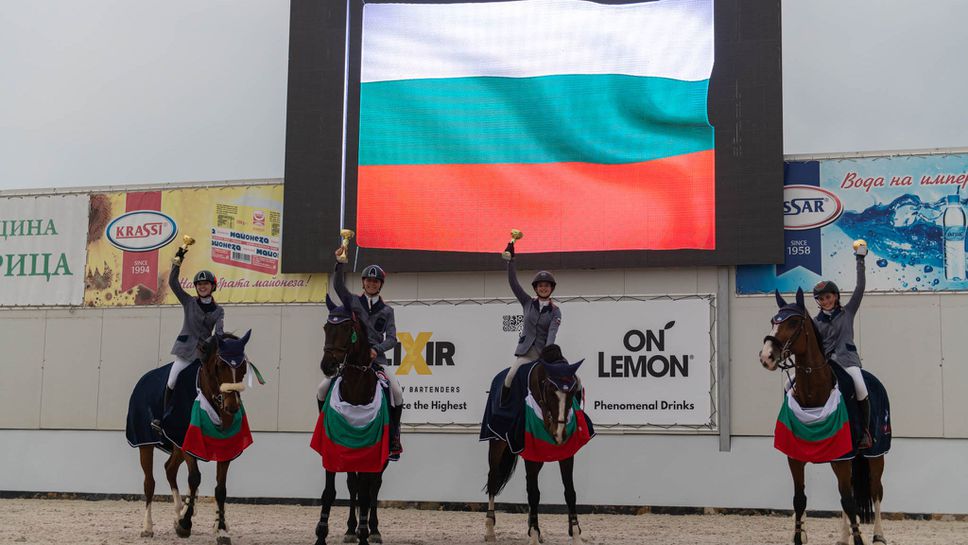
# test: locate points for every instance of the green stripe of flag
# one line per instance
(604, 119)
(816, 431)
(201, 421)
(345, 434)
(534, 425)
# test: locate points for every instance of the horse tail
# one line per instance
(500, 472)
(861, 482)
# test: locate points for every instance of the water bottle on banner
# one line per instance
(954, 223)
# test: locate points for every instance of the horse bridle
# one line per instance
(562, 418)
(346, 352)
(219, 398)
(786, 360)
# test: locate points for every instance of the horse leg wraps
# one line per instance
(799, 503)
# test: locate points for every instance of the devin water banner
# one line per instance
(132, 237)
(42, 250)
(647, 362)
(910, 210)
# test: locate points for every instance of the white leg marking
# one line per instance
(878, 531)
(148, 529)
(844, 529)
(176, 498)
(534, 535)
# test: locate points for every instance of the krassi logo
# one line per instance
(141, 231)
(809, 207)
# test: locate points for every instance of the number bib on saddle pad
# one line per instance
(540, 446)
(353, 438)
(815, 435)
(205, 438)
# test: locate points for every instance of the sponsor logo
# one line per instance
(648, 357)
(809, 207)
(141, 231)
(259, 218)
(418, 354)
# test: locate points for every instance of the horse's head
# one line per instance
(786, 335)
(223, 370)
(554, 384)
(346, 342)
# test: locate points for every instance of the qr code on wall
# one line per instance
(513, 322)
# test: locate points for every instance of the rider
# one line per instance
(202, 314)
(541, 315)
(381, 329)
(835, 323)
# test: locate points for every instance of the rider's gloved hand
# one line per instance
(860, 249)
(508, 254)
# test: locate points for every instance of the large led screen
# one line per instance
(610, 133)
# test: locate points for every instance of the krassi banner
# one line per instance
(647, 362)
(910, 210)
(42, 250)
(132, 237)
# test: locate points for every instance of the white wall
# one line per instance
(73, 369)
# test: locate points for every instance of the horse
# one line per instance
(794, 335)
(218, 377)
(547, 425)
(346, 356)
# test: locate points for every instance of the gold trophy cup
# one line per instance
(187, 241)
(343, 252)
(515, 235)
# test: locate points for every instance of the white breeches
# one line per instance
(859, 387)
(396, 392)
(177, 367)
(518, 362)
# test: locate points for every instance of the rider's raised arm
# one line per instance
(390, 335)
(516, 288)
(858, 294)
(175, 285)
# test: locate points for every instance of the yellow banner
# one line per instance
(132, 237)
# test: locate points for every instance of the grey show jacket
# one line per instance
(197, 325)
(381, 327)
(540, 324)
(837, 329)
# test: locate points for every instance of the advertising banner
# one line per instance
(42, 250)
(237, 230)
(646, 362)
(910, 210)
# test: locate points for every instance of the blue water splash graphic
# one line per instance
(906, 231)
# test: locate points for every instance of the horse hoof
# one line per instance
(878, 538)
(350, 537)
(147, 533)
(535, 536)
(490, 537)
(181, 531)
(376, 537)
(223, 540)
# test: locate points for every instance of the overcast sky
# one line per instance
(105, 92)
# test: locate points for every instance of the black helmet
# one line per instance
(206, 276)
(544, 276)
(825, 286)
(374, 271)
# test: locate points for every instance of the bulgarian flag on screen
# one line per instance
(584, 125)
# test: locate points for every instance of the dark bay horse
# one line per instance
(555, 435)
(346, 357)
(220, 379)
(794, 336)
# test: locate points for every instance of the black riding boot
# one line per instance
(866, 441)
(395, 447)
(165, 407)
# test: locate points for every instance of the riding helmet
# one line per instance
(374, 271)
(206, 276)
(544, 276)
(825, 286)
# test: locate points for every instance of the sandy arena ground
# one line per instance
(110, 522)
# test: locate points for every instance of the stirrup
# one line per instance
(155, 424)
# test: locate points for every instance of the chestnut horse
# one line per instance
(795, 343)
(220, 380)
(556, 395)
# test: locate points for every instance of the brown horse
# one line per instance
(346, 354)
(555, 394)
(794, 336)
(220, 379)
